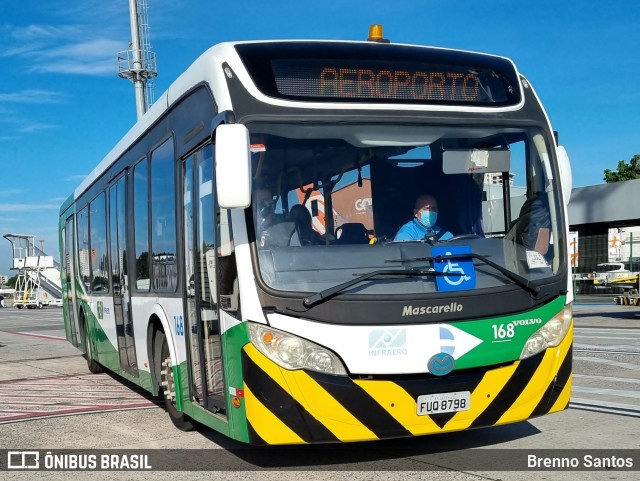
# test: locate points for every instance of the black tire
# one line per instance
(179, 419)
(94, 366)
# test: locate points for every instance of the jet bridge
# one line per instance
(38, 282)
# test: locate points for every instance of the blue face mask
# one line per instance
(428, 218)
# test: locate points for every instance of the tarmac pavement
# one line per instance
(63, 407)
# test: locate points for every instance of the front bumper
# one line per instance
(294, 407)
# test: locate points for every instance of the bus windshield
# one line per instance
(332, 202)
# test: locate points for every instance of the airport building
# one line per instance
(604, 220)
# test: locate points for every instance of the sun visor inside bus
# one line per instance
(476, 161)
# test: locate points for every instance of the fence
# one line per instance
(605, 263)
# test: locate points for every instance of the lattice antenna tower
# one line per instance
(145, 38)
(138, 64)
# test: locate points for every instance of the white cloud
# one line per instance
(29, 128)
(28, 207)
(89, 49)
(25, 40)
(5, 192)
(48, 32)
(76, 177)
(95, 56)
(32, 96)
(87, 11)
(17, 100)
(81, 38)
(76, 49)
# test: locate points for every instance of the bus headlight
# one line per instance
(292, 352)
(549, 335)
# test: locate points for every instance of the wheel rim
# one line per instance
(168, 382)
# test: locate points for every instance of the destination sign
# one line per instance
(344, 81)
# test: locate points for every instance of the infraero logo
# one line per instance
(387, 342)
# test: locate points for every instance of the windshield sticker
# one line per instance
(535, 260)
(460, 273)
(479, 159)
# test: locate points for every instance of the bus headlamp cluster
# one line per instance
(549, 335)
(292, 352)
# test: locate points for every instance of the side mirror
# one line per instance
(233, 166)
(564, 167)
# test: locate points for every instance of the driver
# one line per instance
(423, 225)
(271, 228)
(265, 208)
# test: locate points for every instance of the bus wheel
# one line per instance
(93, 365)
(168, 389)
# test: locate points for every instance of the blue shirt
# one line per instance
(414, 230)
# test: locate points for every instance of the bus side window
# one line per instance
(98, 242)
(164, 265)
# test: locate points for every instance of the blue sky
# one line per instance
(63, 107)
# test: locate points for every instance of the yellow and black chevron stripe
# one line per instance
(292, 407)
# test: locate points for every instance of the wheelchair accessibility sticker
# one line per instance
(459, 272)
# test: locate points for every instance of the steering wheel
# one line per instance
(463, 236)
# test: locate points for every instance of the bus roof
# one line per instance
(203, 70)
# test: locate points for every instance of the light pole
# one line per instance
(138, 64)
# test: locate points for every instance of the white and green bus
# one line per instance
(236, 251)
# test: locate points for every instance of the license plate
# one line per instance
(446, 402)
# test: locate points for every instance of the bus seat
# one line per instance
(352, 233)
(533, 226)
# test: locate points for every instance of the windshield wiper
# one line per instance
(516, 278)
(332, 291)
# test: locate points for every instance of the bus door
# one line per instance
(200, 291)
(69, 281)
(119, 278)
